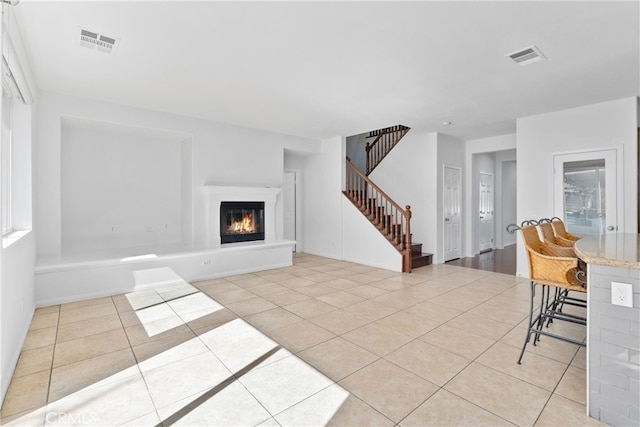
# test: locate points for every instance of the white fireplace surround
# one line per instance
(218, 194)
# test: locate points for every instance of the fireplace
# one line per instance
(241, 221)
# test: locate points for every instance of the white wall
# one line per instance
(17, 255)
(221, 155)
(356, 150)
(323, 199)
(450, 153)
(606, 125)
(507, 214)
(408, 174)
(119, 189)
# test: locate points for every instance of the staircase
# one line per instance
(385, 140)
(393, 221)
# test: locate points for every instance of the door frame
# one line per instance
(588, 153)
(299, 246)
(460, 207)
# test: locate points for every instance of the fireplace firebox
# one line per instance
(241, 221)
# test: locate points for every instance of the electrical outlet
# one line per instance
(622, 294)
(206, 262)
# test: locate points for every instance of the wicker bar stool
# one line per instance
(560, 230)
(550, 238)
(550, 272)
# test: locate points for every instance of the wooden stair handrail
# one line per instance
(385, 140)
(389, 217)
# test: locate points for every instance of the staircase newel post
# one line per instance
(367, 148)
(407, 248)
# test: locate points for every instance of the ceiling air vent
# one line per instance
(527, 56)
(96, 41)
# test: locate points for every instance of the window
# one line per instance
(5, 158)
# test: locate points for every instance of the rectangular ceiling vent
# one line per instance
(96, 41)
(527, 56)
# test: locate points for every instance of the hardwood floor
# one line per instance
(497, 260)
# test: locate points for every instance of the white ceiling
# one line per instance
(322, 69)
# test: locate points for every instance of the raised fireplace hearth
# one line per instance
(241, 221)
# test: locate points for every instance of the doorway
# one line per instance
(289, 202)
(452, 200)
(585, 191)
(486, 212)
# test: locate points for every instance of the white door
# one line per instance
(486, 211)
(289, 206)
(585, 191)
(452, 216)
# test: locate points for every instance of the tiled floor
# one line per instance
(322, 342)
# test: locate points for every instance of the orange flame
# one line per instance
(245, 225)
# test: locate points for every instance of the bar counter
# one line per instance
(613, 331)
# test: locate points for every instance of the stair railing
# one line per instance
(385, 140)
(390, 219)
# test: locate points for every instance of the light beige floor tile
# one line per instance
(34, 360)
(389, 389)
(456, 341)
(150, 419)
(122, 303)
(447, 409)
(213, 288)
(157, 312)
(238, 344)
(480, 326)
(368, 279)
(431, 363)
(211, 321)
(286, 297)
(26, 393)
(175, 381)
(504, 358)
(398, 299)
(342, 283)
(47, 320)
(340, 321)
(317, 277)
(434, 312)
(272, 319)
(40, 338)
(47, 310)
(175, 291)
(501, 310)
(408, 323)
(85, 328)
(268, 289)
(548, 347)
(340, 299)
(387, 284)
(104, 369)
(332, 406)
(316, 290)
(227, 405)
(113, 403)
(295, 282)
(162, 342)
(580, 359)
(86, 312)
(354, 412)
(512, 399)
(377, 338)
(371, 310)
(181, 351)
(310, 308)
(573, 385)
(89, 347)
(247, 281)
(462, 298)
(337, 358)
(250, 306)
(35, 417)
(85, 303)
(300, 336)
(366, 291)
(143, 299)
(156, 331)
(233, 296)
(561, 411)
(284, 383)
(197, 302)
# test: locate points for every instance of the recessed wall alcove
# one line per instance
(123, 186)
